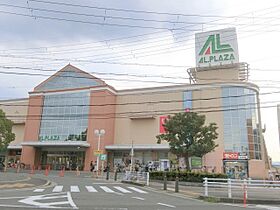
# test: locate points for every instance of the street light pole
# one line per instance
(98, 133)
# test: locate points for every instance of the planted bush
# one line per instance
(185, 176)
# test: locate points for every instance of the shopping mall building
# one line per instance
(56, 125)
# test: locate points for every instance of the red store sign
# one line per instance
(231, 155)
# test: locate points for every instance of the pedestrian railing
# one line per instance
(139, 177)
(238, 186)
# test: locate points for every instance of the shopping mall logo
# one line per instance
(214, 51)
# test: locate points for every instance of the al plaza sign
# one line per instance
(216, 48)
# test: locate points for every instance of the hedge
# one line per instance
(185, 176)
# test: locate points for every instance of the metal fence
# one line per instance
(239, 187)
(138, 177)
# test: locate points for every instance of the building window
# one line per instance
(68, 80)
(241, 121)
(65, 117)
(187, 97)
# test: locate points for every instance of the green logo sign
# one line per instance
(196, 162)
(103, 157)
(214, 51)
(49, 138)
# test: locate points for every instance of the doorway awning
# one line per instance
(56, 143)
(14, 146)
(138, 147)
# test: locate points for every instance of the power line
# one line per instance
(165, 51)
(133, 103)
(155, 32)
(130, 114)
(92, 61)
(99, 73)
(66, 76)
(88, 22)
(108, 73)
(104, 17)
(140, 11)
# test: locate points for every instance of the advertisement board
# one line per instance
(215, 48)
(161, 123)
(235, 156)
(196, 162)
(230, 155)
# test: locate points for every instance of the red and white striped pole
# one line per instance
(245, 196)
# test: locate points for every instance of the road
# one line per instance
(90, 194)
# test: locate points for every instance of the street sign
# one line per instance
(98, 152)
(103, 157)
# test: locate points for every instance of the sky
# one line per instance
(141, 39)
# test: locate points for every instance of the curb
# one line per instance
(45, 185)
(15, 181)
(237, 200)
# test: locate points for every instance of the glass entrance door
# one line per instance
(68, 160)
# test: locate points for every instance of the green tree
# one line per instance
(188, 136)
(6, 134)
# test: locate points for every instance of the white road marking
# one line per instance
(74, 189)
(6, 198)
(71, 202)
(91, 189)
(139, 198)
(39, 190)
(137, 190)
(122, 189)
(18, 206)
(58, 188)
(100, 183)
(268, 207)
(163, 204)
(36, 201)
(107, 189)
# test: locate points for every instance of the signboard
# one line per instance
(161, 123)
(230, 155)
(164, 164)
(235, 156)
(103, 157)
(49, 138)
(215, 48)
(196, 162)
(98, 152)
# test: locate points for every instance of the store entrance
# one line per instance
(236, 169)
(69, 160)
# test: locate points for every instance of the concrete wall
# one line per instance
(214, 76)
(257, 169)
(18, 130)
(209, 109)
(32, 128)
(140, 120)
(100, 117)
(16, 110)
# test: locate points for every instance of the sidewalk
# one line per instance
(10, 180)
(267, 195)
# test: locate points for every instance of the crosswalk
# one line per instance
(92, 189)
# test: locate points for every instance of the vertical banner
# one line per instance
(161, 123)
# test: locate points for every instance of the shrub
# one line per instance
(185, 176)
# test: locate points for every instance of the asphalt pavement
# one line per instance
(87, 193)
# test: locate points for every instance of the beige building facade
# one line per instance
(55, 126)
